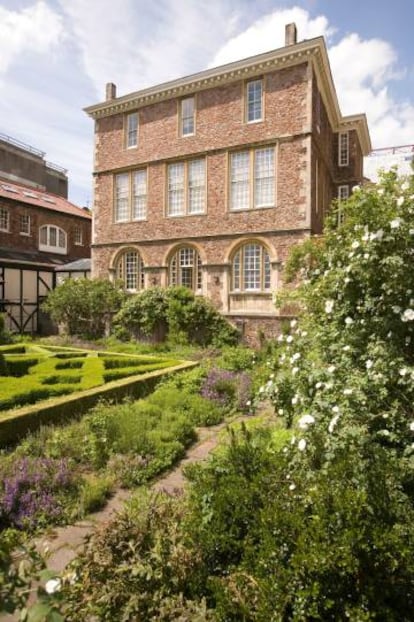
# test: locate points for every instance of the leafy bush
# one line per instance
(30, 490)
(176, 312)
(84, 306)
(93, 494)
(231, 390)
(3, 366)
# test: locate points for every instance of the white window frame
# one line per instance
(77, 236)
(24, 218)
(60, 243)
(4, 219)
(184, 266)
(131, 130)
(343, 195)
(252, 100)
(251, 270)
(183, 187)
(185, 117)
(343, 149)
(129, 268)
(124, 203)
(252, 180)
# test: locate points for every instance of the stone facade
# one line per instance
(299, 126)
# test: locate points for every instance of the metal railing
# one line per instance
(21, 145)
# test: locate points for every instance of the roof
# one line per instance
(312, 50)
(40, 198)
(80, 265)
(32, 258)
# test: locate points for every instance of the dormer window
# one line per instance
(52, 240)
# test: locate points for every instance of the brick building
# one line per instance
(208, 180)
(39, 231)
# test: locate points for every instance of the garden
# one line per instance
(309, 517)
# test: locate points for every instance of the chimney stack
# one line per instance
(290, 34)
(110, 91)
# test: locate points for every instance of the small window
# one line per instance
(132, 130)
(24, 224)
(252, 179)
(130, 200)
(251, 269)
(52, 239)
(343, 149)
(254, 101)
(4, 219)
(187, 116)
(185, 269)
(78, 236)
(130, 270)
(186, 187)
(343, 194)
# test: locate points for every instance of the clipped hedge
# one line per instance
(18, 423)
(123, 372)
(20, 366)
(126, 361)
(13, 349)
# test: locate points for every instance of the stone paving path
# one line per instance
(63, 543)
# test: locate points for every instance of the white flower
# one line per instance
(53, 585)
(305, 421)
(318, 385)
(380, 191)
(405, 185)
(384, 432)
(294, 400)
(261, 389)
(408, 315)
(347, 391)
(369, 364)
(396, 309)
(335, 409)
(295, 357)
(302, 444)
(331, 369)
(349, 321)
(292, 486)
(355, 244)
(400, 201)
(356, 188)
(403, 371)
(395, 223)
(346, 348)
(280, 411)
(333, 423)
(411, 231)
(412, 426)
(280, 338)
(289, 338)
(293, 323)
(379, 234)
(329, 305)
(295, 370)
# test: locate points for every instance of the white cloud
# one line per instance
(363, 70)
(268, 33)
(34, 29)
(136, 46)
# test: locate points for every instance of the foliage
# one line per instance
(84, 306)
(229, 389)
(31, 489)
(174, 311)
(5, 336)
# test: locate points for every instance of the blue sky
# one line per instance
(57, 55)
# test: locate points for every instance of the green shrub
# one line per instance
(72, 363)
(4, 371)
(20, 365)
(84, 306)
(176, 312)
(93, 494)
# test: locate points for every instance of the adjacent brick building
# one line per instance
(39, 231)
(208, 180)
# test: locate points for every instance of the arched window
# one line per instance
(251, 269)
(52, 239)
(130, 270)
(185, 269)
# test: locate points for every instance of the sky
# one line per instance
(57, 55)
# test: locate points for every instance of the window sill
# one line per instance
(187, 135)
(186, 215)
(53, 249)
(250, 292)
(26, 235)
(4, 231)
(251, 209)
(254, 121)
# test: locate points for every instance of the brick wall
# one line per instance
(39, 217)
